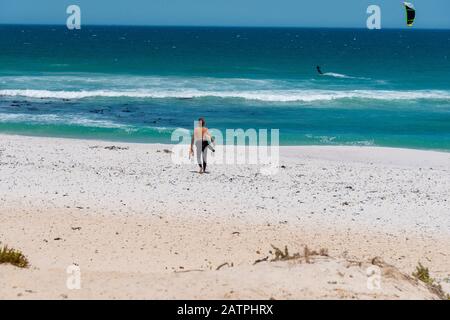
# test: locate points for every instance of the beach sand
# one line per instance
(140, 227)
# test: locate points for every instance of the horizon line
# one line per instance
(221, 26)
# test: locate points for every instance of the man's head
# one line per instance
(201, 122)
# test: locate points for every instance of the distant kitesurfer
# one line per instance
(319, 70)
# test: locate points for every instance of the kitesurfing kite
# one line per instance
(410, 13)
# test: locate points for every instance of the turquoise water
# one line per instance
(382, 88)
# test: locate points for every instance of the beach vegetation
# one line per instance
(14, 257)
(423, 274)
(284, 255)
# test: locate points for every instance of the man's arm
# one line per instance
(192, 145)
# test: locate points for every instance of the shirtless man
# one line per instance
(202, 139)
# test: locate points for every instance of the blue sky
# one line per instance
(301, 13)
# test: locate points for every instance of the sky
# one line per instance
(277, 13)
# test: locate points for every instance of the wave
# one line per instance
(337, 75)
(56, 119)
(343, 76)
(68, 80)
(333, 140)
(75, 120)
(260, 95)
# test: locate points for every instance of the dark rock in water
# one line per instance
(97, 111)
(15, 105)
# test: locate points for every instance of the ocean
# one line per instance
(379, 87)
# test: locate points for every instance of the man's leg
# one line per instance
(205, 156)
(199, 147)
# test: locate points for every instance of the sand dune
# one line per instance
(134, 222)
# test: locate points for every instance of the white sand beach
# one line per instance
(140, 227)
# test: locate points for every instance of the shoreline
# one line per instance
(138, 214)
(447, 151)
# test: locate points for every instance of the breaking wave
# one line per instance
(259, 95)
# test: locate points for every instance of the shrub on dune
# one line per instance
(14, 257)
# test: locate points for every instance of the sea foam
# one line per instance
(259, 95)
